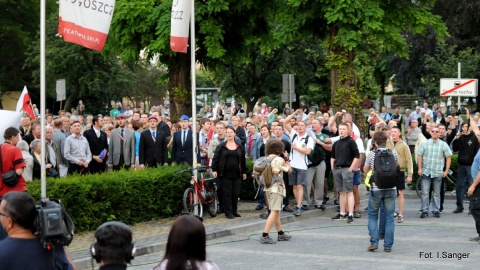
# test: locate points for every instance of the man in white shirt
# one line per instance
(301, 148)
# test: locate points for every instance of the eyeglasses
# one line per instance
(435, 131)
(2, 214)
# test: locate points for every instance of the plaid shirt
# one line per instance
(434, 154)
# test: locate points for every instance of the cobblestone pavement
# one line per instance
(320, 243)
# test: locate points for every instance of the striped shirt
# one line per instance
(433, 156)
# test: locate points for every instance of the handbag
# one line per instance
(51, 172)
(10, 178)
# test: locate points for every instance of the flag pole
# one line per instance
(194, 83)
(43, 182)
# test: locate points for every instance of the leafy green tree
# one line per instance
(89, 75)
(19, 22)
(346, 25)
(225, 29)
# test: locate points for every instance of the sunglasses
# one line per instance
(435, 131)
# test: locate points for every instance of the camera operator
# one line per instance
(22, 249)
(113, 247)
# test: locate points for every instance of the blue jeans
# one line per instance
(427, 181)
(463, 173)
(384, 198)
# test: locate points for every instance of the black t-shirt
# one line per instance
(29, 254)
(231, 169)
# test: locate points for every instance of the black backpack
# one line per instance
(384, 169)
(317, 155)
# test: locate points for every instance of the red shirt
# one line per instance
(12, 159)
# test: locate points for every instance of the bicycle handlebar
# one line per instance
(190, 170)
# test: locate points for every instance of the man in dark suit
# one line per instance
(153, 145)
(182, 146)
(121, 149)
(97, 141)
(162, 125)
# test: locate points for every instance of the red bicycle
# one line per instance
(202, 192)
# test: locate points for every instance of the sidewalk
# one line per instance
(151, 237)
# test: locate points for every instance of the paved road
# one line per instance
(320, 243)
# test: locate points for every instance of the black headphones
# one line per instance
(95, 248)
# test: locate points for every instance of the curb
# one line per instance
(251, 224)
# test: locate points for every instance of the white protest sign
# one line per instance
(9, 119)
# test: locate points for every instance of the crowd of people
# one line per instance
(133, 139)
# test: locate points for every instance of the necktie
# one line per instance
(121, 140)
(184, 137)
(154, 135)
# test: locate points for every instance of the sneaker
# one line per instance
(458, 210)
(400, 219)
(336, 201)
(266, 240)
(338, 217)
(325, 199)
(387, 249)
(259, 207)
(366, 208)
(436, 214)
(424, 215)
(298, 211)
(321, 207)
(287, 209)
(357, 214)
(372, 248)
(284, 237)
(381, 237)
(350, 219)
(304, 207)
(395, 215)
(476, 238)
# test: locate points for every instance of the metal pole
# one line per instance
(459, 77)
(290, 92)
(42, 98)
(196, 209)
(194, 83)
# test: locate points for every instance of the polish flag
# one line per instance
(24, 103)
(180, 23)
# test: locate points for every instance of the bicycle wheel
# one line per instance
(189, 204)
(212, 206)
(419, 187)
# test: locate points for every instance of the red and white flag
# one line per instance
(24, 103)
(85, 22)
(181, 11)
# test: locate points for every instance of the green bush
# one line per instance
(130, 196)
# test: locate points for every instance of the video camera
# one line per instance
(53, 225)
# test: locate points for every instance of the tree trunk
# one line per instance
(382, 91)
(344, 80)
(179, 85)
(249, 104)
(73, 96)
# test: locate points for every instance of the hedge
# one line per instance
(130, 196)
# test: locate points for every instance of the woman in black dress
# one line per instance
(229, 166)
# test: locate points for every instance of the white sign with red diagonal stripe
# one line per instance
(181, 11)
(458, 87)
(85, 22)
